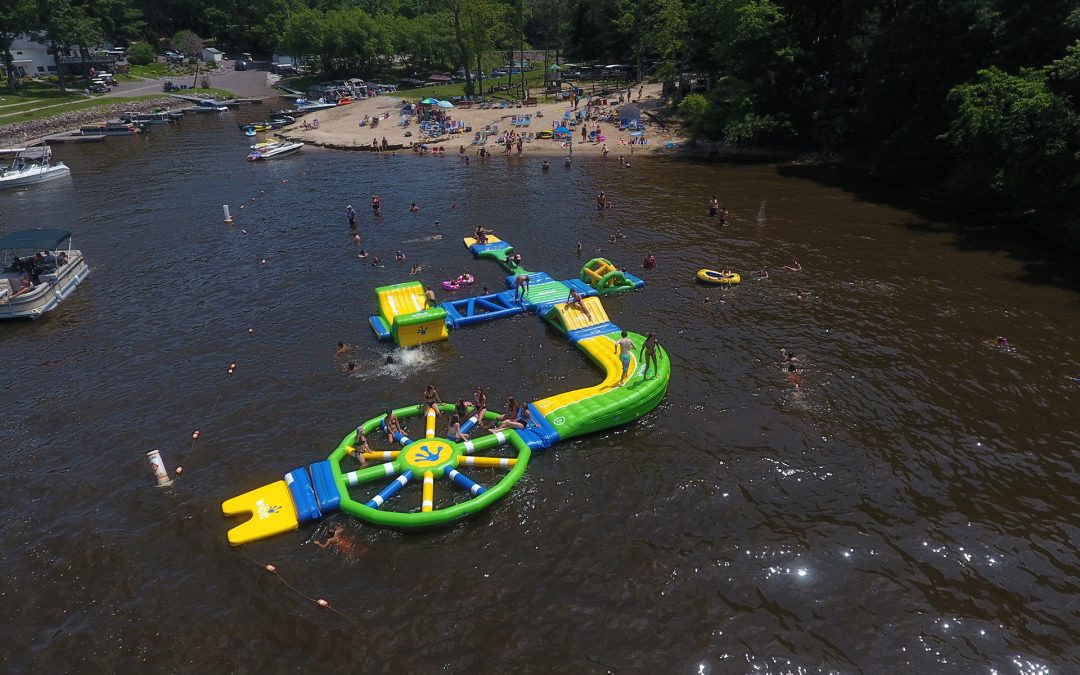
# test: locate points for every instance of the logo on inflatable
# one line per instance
(429, 454)
(265, 511)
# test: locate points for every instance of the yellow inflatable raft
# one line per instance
(714, 277)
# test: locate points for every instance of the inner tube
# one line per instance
(715, 277)
(450, 285)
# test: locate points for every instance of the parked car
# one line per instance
(173, 56)
(98, 87)
(283, 69)
(107, 78)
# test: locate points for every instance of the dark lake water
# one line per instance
(912, 508)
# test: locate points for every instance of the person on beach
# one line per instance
(414, 208)
(342, 348)
(714, 207)
(604, 150)
(649, 262)
(429, 297)
(430, 399)
(351, 215)
(393, 426)
(521, 287)
(575, 300)
(624, 347)
(648, 348)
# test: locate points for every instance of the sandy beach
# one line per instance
(339, 128)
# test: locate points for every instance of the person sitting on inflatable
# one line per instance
(575, 300)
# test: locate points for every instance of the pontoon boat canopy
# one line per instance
(38, 239)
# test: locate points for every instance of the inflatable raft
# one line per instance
(714, 277)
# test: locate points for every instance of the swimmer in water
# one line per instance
(349, 368)
(763, 274)
(338, 540)
(415, 270)
(342, 348)
(363, 254)
(356, 238)
(399, 256)
(800, 295)
(414, 208)
(788, 357)
(793, 375)
(544, 166)
(795, 266)
(579, 248)
(389, 359)
(375, 262)
(649, 262)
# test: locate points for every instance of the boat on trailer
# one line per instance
(38, 272)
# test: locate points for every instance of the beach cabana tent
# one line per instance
(560, 133)
(630, 116)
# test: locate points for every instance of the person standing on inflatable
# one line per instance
(624, 348)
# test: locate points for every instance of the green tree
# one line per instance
(16, 17)
(64, 26)
(140, 54)
(187, 43)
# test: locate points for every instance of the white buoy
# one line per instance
(160, 472)
(228, 218)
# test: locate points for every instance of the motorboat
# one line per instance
(30, 165)
(206, 105)
(278, 149)
(38, 273)
(111, 128)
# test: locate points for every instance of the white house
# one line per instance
(31, 59)
(210, 54)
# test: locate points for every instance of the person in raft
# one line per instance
(624, 347)
(393, 425)
(650, 261)
(648, 349)
(429, 297)
(515, 417)
(575, 300)
(430, 399)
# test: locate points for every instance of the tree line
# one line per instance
(978, 95)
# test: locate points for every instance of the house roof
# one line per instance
(22, 42)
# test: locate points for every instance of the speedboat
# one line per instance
(31, 165)
(206, 105)
(37, 275)
(279, 149)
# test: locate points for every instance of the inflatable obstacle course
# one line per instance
(430, 481)
(405, 317)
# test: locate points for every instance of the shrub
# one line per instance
(141, 54)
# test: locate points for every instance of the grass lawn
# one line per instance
(158, 70)
(88, 103)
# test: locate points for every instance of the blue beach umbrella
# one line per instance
(444, 104)
(429, 101)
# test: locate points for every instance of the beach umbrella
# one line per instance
(444, 104)
(429, 101)
(562, 130)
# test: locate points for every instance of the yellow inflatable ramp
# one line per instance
(491, 239)
(398, 299)
(600, 349)
(573, 318)
(272, 512)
